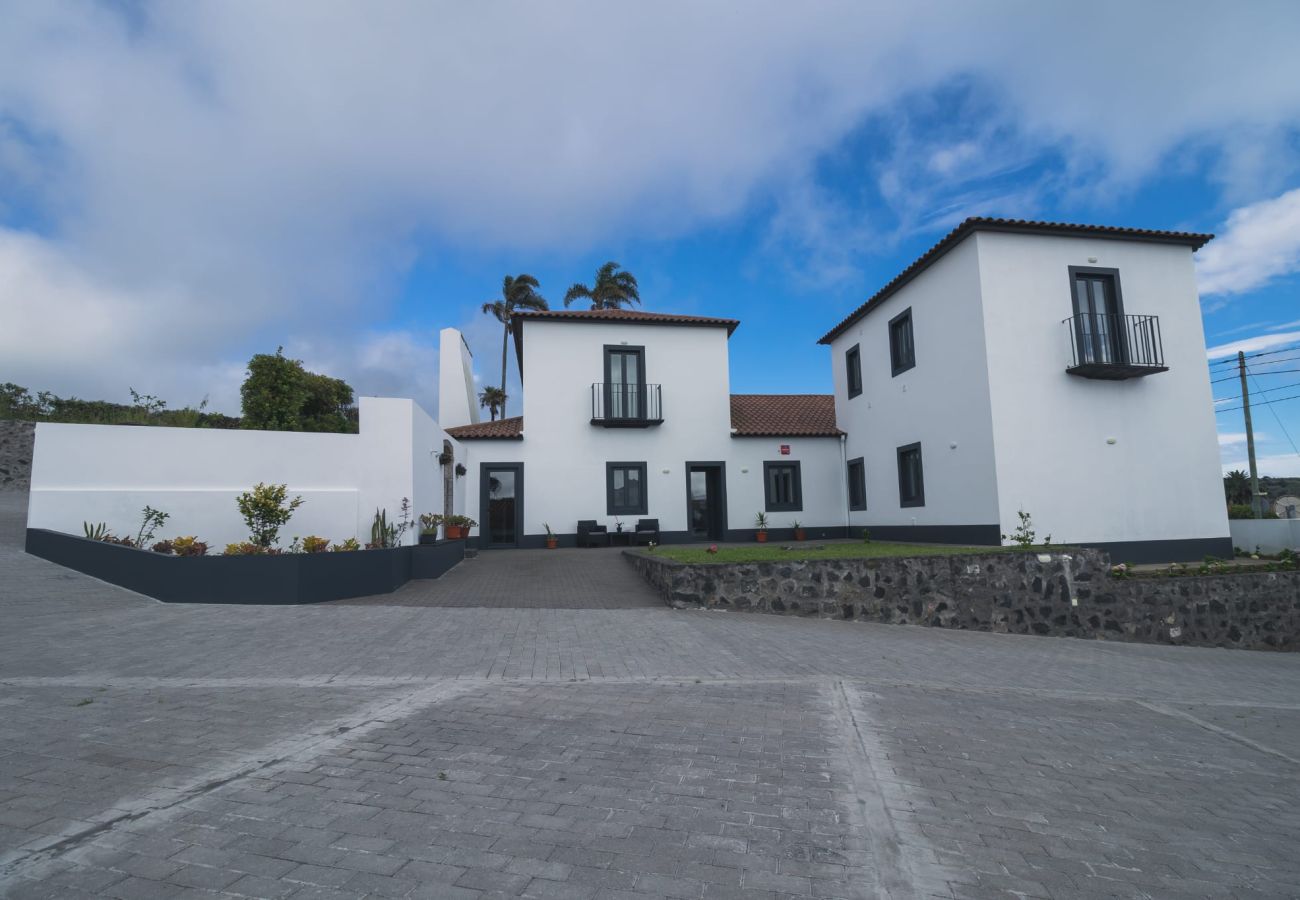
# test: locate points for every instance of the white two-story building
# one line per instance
(1055, 369)
(628, 415)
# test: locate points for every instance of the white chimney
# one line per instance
(457, 399)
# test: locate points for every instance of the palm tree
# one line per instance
(517, 292)
(614, 288)
(493, 399)
(1236, 484)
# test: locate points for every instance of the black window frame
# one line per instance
(642, 407)
(853, 370)
(919, 500)
(1088, 341)
(796, 486)
(899, 366)
(611, 507)
(858, 465)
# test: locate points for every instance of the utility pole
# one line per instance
(1250, 438)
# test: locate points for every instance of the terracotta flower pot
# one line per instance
(762, 537)
(453, 532)
(799, 534)
(552, 543)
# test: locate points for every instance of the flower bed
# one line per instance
(283, 578)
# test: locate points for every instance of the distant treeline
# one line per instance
(17, 402)
(277, 395)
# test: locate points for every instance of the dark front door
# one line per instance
(501, 504)
(706, 500)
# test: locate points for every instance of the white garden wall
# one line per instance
(1268, 535)
(108, 473)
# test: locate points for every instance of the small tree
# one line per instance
(266, 509)
(327, 404)
(274, 392)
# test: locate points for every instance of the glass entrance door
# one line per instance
(706, 502)
(501, 504)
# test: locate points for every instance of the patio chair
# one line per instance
(647, 530)
(592, 535)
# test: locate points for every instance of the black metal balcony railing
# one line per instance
(626, 405)
(1115, 347)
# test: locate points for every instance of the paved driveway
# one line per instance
(595, 578)
(383, 750)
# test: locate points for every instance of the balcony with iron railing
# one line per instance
(1114, 347)
(626, 405)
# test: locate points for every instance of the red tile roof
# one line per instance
(511, 429)
(1015, 226)
(783, 415)
(625, 315)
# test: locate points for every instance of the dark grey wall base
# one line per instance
(971, 535)
(265, 580)
(1067, 593)
(1190, 550)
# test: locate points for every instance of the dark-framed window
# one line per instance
(857, 484)
(625, 489)
(782, 487)
(902, 349)
(1098, 315)
(911, 477)
(624, 382)
(853, 370)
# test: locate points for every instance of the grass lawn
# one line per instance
(813, 550)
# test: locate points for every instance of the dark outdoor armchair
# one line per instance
(647, 530)
(592, 535)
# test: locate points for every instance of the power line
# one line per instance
(1280, 387)
(1269, 372)
(1260, 403)
(1279, 421)
(1233, 359)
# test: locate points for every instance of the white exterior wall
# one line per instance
(1161, 478)
(1269, 535)
(564, 455)
(108, 473)
(942, 401)
(457, 399)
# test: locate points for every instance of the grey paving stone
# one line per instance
(582, 740)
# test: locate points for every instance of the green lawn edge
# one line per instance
(799, 552)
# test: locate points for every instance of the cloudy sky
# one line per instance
(185, 184)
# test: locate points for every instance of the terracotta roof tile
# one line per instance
(783, 415)
(511, 429)
(626, 315)
(1015, 226)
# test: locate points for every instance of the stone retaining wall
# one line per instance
(16, 442)
(1065, 594)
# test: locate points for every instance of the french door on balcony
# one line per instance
(1098, 323)
(625, 382)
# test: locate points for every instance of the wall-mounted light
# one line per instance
(1110, 440)
(1092, 259)
(952, 445)
(744, 470)
(665, 471)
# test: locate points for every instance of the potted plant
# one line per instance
(456, 528)
(799, 533)
(552, 539)
(760, 522)
(429, 523)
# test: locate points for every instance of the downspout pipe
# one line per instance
(844, 483)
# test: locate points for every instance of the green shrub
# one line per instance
(266, 509)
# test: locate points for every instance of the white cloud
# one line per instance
(1261, 242)
(1229, 439)
(1253, 344)
(212, 177)
(1282, 465)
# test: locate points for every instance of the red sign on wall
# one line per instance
(785, 449)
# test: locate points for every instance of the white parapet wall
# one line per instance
(1269, 535)
(108, 473)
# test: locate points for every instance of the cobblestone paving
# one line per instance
(591, 578)
(523, 749)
